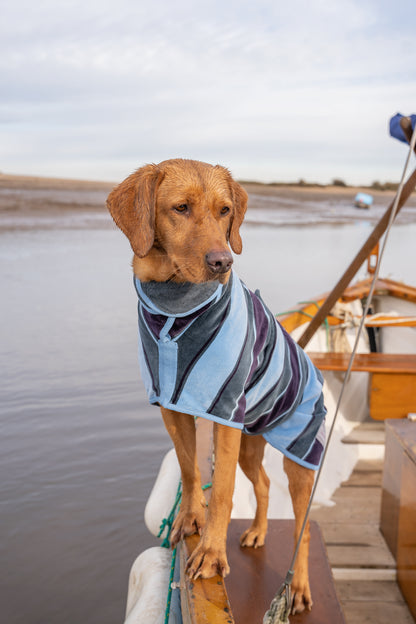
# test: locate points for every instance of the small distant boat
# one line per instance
(363, 200)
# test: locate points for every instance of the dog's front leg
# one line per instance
(209, 557)
(191, 516)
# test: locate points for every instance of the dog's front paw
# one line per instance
(302, 598)
(254, 536)
(207, 561)
(187, 523)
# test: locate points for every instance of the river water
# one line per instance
(80, 445)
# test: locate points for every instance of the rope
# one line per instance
(169, 598)
(284, 594)
(167, 523)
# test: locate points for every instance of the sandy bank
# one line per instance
(35, 202)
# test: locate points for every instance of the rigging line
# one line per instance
(348, 372)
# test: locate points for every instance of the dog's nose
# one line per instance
(219, 261)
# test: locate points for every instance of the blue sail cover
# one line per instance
(396, 129)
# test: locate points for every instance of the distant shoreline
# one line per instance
(28, 181)
(28, 202)
(12, 181)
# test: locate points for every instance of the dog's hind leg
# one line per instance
(300, 486)
(191, 516)
(250, 460)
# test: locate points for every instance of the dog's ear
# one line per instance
(132, 205)
(240, 199)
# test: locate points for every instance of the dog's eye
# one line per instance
(225, 210)
(181, 208)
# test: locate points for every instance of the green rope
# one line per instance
(169, 598)
(294, 312)
(167, 523)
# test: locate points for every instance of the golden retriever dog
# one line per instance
(183, 218)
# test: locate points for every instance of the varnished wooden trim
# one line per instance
(366, 362)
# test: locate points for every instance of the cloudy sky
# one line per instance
(273, 89)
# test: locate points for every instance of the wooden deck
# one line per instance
(362, 565)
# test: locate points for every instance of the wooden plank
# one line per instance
(406, 543)
(370, 465)
(350, 528)
(385, 591)
(389, 320)
(257, 573)
(203, 601)
(366, 433)
(366, 362)
(356, 546)
(392, 395)
(352, 505)
(365, 574)
(367, 478)
(378, 612)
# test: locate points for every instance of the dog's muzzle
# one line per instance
(219, 261)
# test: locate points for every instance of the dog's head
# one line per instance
(180, 217)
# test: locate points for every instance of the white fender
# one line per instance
(163, 494)
(148, 587)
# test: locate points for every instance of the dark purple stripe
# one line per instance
(314, 455)
(155, 322)
(311, 429)
(182, 323)
(289, 395)
(261, 323)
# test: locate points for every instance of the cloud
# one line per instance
(281, 89)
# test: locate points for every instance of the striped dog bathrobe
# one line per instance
(216, 351)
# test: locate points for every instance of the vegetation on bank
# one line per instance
(301, 183)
